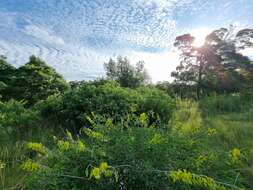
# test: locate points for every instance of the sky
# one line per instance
(76, 37)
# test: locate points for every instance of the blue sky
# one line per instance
(77, 36)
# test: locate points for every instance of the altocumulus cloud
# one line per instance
(76, 37)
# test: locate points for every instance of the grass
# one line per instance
(235, 130)
(12, 154)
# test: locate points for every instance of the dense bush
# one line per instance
(14, 117)
(112, 157)
(108, 99)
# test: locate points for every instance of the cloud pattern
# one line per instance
(77, 36)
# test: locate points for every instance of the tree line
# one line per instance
(216, 67)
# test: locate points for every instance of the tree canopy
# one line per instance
(126, 74)
(218, 65)
(32, 82)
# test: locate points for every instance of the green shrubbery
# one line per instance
(120, 138)
(14, 117)
(113, 157)
(108, 99)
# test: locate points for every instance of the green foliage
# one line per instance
(14, 117)
(7, 72)
(32, 82)
(226, 103)
(108, 99)
(119, 162)
(156, 102)
(126, 74)
(36, 81)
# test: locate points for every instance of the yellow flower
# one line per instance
(30, 166)
(235, 155)
(37, 147)
(80, 146)
(63, 145)
(103, 166)
(236, 152)
(95, 173)
(143, 119)
(187, 177)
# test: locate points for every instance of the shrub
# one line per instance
(14, 117)
(107, 99)
(157, 102)
(111, 157)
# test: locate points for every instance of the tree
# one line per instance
(6, 76)
(36, 81)
(126, 74)
(217, 65)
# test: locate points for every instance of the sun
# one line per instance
(200, 36)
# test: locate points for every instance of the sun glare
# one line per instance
(200, 35)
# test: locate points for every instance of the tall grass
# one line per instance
(235, 129)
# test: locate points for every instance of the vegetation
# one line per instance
(126, 74)
(123, 133)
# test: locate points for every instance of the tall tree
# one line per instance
(217, 65)
(126, 74)
(36, 81)
(7, 71)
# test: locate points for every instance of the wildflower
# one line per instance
(235, 155)
(30, 166)
(103, 166)
(192, 179)
(37, 147)
(80, 146)
(143, 119)
(95, 172)
(63, 145)
(102, 170)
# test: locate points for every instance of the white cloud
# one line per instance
(43, 34)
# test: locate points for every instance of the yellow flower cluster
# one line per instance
(63, 145)
(143, 119)
(103, 169)
(80, 146)
(30, 166)
(37, 147)
(193, 179)
(235, 155)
